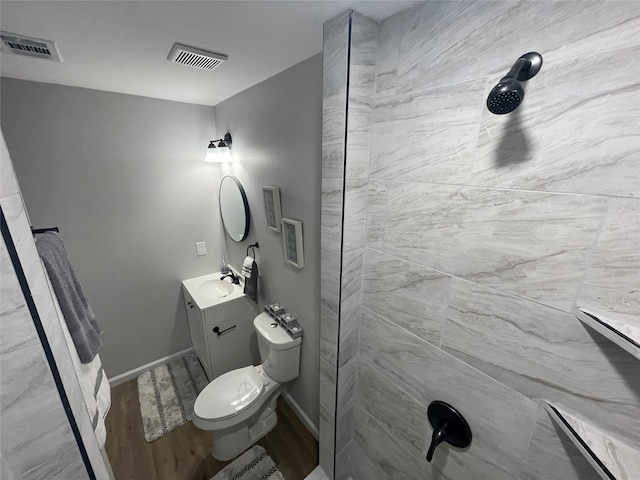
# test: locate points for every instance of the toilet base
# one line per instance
(230, 442)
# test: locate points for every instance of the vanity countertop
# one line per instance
(208, 290)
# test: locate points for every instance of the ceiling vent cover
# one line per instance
(195, 57)
(31, 47)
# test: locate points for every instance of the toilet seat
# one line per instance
(230, 394)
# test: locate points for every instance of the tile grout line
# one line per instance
(591, 252)
(520, 190)
(487, 77)
(474, 147)
(456, 359)
(541, 408)
(442, 272)
(341, 266)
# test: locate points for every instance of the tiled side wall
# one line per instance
(349, 57)
(363, 46)
(334, 110)
(483, 231)
(36, 438)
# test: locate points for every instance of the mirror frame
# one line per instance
(247, 216)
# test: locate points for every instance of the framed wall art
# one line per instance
(272, 207)
(292, 240)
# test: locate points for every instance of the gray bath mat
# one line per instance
(254, 464)
(167, 394)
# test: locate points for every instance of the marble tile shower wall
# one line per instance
(349, 53)
(482, 232)
(334, 108)
(362, 60)
(36, 438)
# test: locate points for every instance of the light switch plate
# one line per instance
(201, 248)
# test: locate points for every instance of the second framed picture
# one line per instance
(292, 240)
(272, 207)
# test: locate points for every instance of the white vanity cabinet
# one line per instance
(221, 328)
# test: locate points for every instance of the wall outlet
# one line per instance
(201, 248)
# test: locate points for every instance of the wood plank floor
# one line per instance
(184, 454)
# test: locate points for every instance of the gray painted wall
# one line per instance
(276, 129)
(123, 178)
(482, 233)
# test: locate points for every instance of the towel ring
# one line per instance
(253, 247)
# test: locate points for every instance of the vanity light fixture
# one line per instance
(220, 153)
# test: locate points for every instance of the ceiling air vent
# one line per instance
(31, 47)
(195, 57)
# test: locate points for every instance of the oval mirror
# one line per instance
(234, 208)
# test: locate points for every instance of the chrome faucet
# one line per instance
(235, 279)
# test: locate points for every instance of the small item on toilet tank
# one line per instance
(274, 309)
(295, 331)
(288, 319)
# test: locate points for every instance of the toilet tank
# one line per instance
(280, 354)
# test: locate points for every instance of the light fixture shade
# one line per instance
(218, 155)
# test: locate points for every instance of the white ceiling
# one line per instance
(121, 46)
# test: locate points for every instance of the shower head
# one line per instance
(505, 97)
(508, 94)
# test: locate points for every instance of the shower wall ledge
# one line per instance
(609, 456)
(621, 332)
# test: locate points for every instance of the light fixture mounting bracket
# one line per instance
(221, 142)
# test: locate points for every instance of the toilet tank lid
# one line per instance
(277, 336)
(229, 394)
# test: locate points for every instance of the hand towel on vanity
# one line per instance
(81, 321)
(250, 274)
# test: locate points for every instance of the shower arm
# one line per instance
(508, 94)
(519, 69)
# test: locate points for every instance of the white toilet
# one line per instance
(239, 407)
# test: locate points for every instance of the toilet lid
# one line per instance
(229, 394)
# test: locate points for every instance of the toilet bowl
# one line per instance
(239, 407)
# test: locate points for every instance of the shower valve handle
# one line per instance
(448, 426)
(439, 436)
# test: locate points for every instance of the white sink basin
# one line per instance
(208, 290)
(215, 289)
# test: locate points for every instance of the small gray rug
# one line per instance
(254, 464)
(167, 394)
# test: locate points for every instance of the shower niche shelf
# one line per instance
(623, 334)
(609, 456)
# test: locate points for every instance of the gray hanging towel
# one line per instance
(81, 321)
(250, 274)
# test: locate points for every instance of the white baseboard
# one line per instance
(126, 376)
(301, 415)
